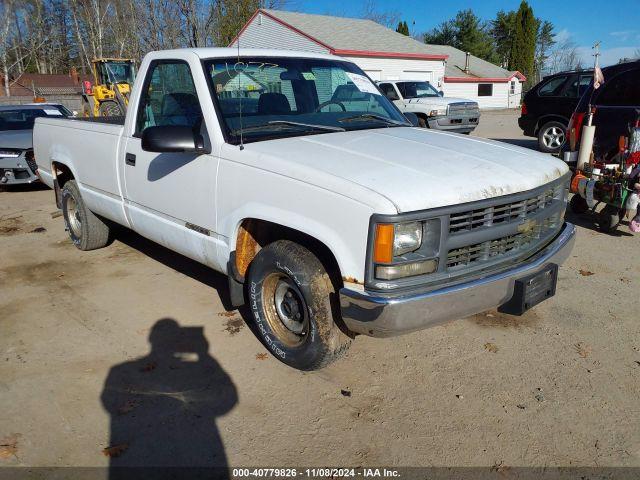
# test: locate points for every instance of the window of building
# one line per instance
(485, 89)
(512, 87)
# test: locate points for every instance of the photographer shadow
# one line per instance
(164, 406)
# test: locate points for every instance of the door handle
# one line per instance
(130, 159)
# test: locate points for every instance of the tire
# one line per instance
(290, 296)
(110, 109)
(422, 122)
(86, 110)
(578, 205)
(552, 136)
(609, 219)
(86, 230)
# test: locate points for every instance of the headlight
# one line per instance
(407, 238)
(406, 249)
(438, 112)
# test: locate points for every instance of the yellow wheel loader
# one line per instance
(108, 96)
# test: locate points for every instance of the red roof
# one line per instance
(23, 85)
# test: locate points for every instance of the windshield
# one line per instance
(417, 90)
(23, 118)
(277, 97)
(118, 72)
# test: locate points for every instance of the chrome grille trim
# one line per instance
(464, 107)
(503, 246)
(501, 213)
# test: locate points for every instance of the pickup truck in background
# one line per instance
(433, 109)
(328, 211)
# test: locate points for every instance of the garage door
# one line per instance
(375, 75)
(417, 75)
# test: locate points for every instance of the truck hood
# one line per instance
(16, 139)
(437, 101)
(413, 168)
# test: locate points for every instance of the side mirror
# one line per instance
(172, 138)
(412, 117)
(441, 93)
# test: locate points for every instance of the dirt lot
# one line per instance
(558, 386)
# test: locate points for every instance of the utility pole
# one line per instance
(596, 49)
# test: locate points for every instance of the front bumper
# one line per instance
(455, 123)
(16, 171)
(381, 315)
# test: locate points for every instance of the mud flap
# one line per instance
(236, 283)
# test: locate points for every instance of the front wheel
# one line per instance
(291, 296)
(422, 122)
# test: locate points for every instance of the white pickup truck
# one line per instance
(432, 108)
(330, 213)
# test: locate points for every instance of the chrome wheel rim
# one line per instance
(73, 215)
(285, 309)
(553, 137)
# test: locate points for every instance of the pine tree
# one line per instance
(523, 48)
(403, 28)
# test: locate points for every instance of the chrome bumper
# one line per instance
(380, 315)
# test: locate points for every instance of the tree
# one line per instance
(544, 42)
(563, 57)
(403, 28)
(444, 34)
(522, 56)
(387, 18)
(465, 32)
(501, 31)
(472, 35)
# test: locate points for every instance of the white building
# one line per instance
(385, 54)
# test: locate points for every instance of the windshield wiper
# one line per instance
(288, 123)
(373, 116)
(328, 128)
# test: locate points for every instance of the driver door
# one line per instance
(170, 197)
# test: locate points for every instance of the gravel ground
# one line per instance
(78, 374)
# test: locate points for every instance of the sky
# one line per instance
(615, 23)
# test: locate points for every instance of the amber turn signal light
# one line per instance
(383, 246)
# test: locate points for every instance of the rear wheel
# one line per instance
(291, 300)
(86, 230)
(609, 218)
(110, 109)
(552, 136)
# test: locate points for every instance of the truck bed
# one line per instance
(89, 147)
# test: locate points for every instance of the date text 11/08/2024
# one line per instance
(314, 472)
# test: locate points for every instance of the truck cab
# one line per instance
(433, 109)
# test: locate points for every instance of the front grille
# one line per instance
(499, 247)
(502, 213)
(463, 108)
